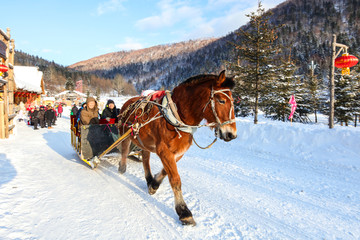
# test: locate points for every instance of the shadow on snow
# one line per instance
(7, 170)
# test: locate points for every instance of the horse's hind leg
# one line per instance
(153, 183)
(125, 147)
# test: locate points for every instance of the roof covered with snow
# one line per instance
(68, 91)
(28, 78)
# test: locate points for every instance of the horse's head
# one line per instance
(219, 111)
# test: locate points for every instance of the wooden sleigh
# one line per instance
(92, 142)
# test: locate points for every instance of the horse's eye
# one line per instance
(221, 101)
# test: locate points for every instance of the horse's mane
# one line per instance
(199, 79)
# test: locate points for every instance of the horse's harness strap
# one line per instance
(212, 102)
(170, 113)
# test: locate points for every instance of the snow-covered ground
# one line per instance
(275, 181)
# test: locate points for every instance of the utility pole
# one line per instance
(334, 55)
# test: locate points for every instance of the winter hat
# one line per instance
(109, 101)
(91, 99)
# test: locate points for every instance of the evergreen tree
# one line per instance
(314, 90)
(344, 98)
(254, 54)
(276, 101)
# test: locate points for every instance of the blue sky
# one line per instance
(68, 31)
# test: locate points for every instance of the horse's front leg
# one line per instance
(125, 147)
(170, 167)
(155, 181)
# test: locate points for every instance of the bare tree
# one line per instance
(119, 84)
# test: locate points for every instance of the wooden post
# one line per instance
(2, 120)
(334, 55)
(332, 82)
(5, 111)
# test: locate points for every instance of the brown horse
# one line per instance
(200, 97)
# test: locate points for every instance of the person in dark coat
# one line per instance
(55, 116)
(49, 116)
(34, 117)
(74, 110)
(83, 105)
(41, 116)
(30, 112)
(110, 111)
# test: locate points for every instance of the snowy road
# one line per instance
(275, 181)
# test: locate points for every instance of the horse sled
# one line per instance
(164, 124)
(92, 142)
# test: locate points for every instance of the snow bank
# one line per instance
(310, 142)
(275, 181)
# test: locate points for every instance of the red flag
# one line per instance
(292, 101)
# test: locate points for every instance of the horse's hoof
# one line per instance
(151, 190)
(122, 169)
(188, 221)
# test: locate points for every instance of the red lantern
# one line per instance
(346, 61)
(3, 68)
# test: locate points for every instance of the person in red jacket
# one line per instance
(60, 110)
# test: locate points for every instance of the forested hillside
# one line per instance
(56, 76)
(158, 66)
(305, 35)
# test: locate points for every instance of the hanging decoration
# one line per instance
(345, 62)
(3, 69)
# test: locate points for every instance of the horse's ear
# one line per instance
(221, 78)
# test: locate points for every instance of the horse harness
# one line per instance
(142, 107)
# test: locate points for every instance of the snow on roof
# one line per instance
(48, 99)
(28, 78)
(67, 91)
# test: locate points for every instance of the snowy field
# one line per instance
(275, 181)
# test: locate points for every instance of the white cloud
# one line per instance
(110, 6)
(190, 20)
(47, 50)
(171, 14)
(229, 21)
(129, 44)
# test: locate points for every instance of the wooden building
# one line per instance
(69, 97)
(30, 86)
(7, 84)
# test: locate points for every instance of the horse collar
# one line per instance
(171, 115)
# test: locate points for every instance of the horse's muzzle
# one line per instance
(227, 136)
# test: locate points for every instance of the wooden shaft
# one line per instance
(116, 143)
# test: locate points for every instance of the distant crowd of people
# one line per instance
(43, 116)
